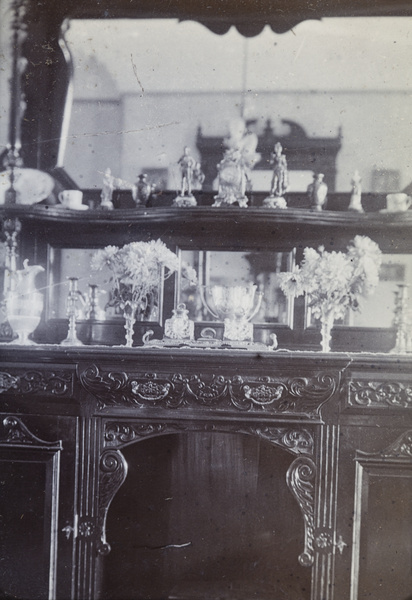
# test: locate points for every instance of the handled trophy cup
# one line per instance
(235, 306)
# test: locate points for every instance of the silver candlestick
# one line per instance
(73, 297)
(402, 321)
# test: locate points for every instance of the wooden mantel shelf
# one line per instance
(210, 383)
(207, 215)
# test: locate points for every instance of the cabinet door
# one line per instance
(375, 514)
(36, 505)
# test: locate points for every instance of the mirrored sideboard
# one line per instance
(225, 246)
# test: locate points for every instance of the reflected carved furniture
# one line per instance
(303, 153)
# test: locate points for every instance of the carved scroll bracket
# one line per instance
(112, 473)
(300, 478)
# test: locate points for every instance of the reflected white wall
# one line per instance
(168, 81)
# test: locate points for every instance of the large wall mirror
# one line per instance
(239, 268)
(143, 87)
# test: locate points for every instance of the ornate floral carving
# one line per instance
(150, 391)
(300, 479)
(263, 394)
(112, 473)
(119, 434)
(297, 395)
(55, 383)
(16, 433)
(295, 440)
(7, 381)
(400, 449)
(380, 394)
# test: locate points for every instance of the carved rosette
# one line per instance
(380, 394)
(112, 473)
(294, 440)
(300, 478)
(286, 395)
(48, 383)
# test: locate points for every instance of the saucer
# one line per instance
(80, 207)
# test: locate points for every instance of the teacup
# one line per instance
(72, 199)
(398, 202)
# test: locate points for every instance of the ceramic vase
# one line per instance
(326, 324)
(129, 313)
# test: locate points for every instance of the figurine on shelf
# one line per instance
(318, 191)
(142, 190)
(187, 168)
(355, 203)
(235, 167)
(111, 183)
(107, 190)
(280, 179)
(198, 175)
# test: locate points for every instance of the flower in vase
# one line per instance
(137, 269)
(335, 281)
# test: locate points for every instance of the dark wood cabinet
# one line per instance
(199, 474)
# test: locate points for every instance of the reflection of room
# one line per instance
(331, 86)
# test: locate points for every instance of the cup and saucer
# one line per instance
(72, 199)
(397, 203)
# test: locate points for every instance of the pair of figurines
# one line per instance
(141, 190)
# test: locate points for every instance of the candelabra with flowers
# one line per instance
(137, 271)
(334, 282)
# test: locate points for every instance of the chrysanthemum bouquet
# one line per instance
(335, 282)
(137, 270)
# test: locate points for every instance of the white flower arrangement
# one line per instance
(137, 269)
(335, 281)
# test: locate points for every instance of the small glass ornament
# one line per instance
(179, 326)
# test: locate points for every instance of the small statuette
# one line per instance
(111, 183)
(188, 167)
(318, 191)
(280, 179)
(107, 191)
(142, 190)
(235, 168)
(179, 326)
(355, 203)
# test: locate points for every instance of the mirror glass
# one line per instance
(379, 309)
(143, 87)
(65, 263)
(229, 268)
